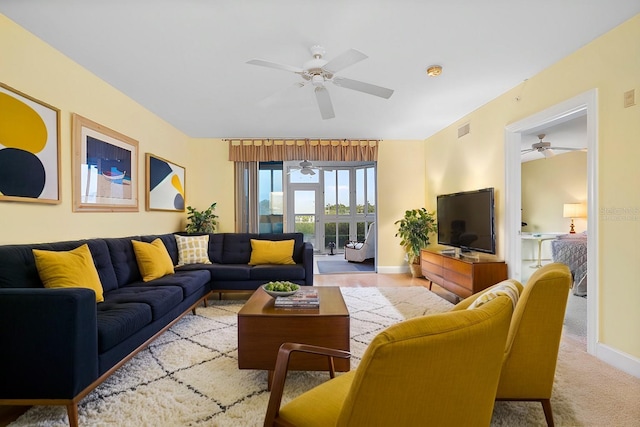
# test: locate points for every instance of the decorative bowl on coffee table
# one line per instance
(292, 286)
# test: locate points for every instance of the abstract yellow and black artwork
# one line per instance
(29, 148)
(165, 185)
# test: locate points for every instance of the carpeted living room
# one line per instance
(313, 124)
(189, 375)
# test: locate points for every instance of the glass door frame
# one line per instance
(321, 218)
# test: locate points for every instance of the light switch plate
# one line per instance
(630, 98)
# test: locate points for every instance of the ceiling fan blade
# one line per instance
(568, 148)
(277, 96)
(307, 171)
(344, 60)
(529, 150)
(324, 102)
(380, 91)
(263, 63)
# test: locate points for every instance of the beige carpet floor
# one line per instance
(189, 375)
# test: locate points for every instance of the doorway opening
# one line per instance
(584, 104)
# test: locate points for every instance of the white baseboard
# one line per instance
(393, 269)
(618, 359)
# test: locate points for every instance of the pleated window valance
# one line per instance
(274, 150)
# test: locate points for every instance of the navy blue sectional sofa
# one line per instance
(59, 344)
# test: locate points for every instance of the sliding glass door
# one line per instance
(270, 198)
(330, 203)
(333, 205)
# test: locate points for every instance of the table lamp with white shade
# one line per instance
(574, 210)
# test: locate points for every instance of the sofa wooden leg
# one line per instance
(548, 414)
(204, 302)
(72, 413)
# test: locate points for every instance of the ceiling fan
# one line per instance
(545, 148)
(319, 71)
(306, 168)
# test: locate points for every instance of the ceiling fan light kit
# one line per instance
(319, 71)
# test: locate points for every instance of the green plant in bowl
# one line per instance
(280, 288)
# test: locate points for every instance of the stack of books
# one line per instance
(303, 298)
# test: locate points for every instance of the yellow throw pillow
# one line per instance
(193, 249)
(153, 259)
(68, 269)
(271, 252)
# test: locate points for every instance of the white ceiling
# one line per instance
(186, 60)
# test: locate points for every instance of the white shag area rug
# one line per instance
(189, 376)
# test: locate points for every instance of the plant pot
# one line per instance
(416, 270)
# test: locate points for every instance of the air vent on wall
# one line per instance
(463, 130)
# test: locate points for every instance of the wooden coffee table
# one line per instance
(262, 328)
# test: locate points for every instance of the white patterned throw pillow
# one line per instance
(505, 287)
(193, 249)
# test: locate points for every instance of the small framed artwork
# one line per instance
(29, 149)
(105, 168)
(165, 185)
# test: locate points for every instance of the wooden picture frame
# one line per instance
(29, 149)
(165, 183)
(104, 168)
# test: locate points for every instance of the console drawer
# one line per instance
(462, 276)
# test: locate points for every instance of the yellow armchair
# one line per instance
(439, 370)
(532, 346)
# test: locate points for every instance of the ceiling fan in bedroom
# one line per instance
(318, 72)
(545, 148)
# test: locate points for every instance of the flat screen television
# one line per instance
(466, 220)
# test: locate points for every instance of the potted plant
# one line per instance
(201, 221)
(414, 229)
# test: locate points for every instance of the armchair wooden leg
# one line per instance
(548, 414)
(276, 378)
(332, 368)
(72, 413)
(269, 380)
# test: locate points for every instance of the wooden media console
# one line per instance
(462, 275)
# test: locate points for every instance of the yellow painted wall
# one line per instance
(401, 172)
(547, 184)
(611, 64)
(33, 67)
(211, 179)
(471, 162)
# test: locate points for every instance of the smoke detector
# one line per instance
(434, 70)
